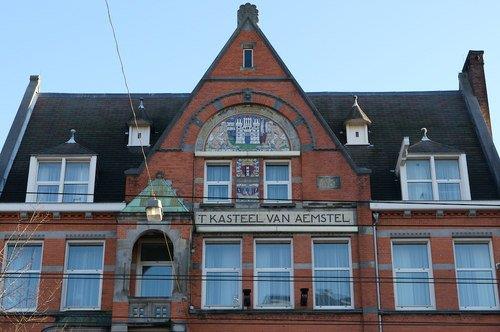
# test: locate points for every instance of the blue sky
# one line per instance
(168, 45)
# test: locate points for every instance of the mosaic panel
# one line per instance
(247, 168)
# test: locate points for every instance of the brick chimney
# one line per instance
(474, 71)
(250, 11)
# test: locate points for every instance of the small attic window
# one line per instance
(247, 58)
(356, 125)
(138, 136)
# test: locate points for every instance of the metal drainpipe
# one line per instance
(377, 277)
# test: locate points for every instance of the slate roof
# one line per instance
(101, 123)
(429, 146)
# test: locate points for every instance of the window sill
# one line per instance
(439, 312)
(277, 204)
(281, 312)
(215, 204)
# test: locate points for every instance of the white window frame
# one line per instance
(314, 269)
(256, 270)
(462, 166)
(351, 138)
(492, 269)
(5, 269)
(67, 273)
(244, 51)
(429, 271)
(288, 183)
(140, 264)
(31, 195)
(133, 132)
(229, 183)
(205, 270)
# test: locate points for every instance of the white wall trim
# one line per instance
(434, 205)
(247, 153)
(62, 207)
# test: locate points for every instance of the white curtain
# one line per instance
(447, 169)
(332, 288)
(47, 193)
(77, 171)
(218, 192)
(23, 257)
(49, 171)
(156, 281)
(418, 169)
(331, 255)
(420, 191)
(277, 172)
(222, 288)
(82, 290)
(218, 173)
(476, 287)
(274, 289)
(412, 287)
(75, 193)
(449, 191)
(277, 191)
(273, 255)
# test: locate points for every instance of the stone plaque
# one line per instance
(328, 182)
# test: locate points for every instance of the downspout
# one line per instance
(377, 276)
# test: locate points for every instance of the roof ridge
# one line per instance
(368, 93)
(113, 95)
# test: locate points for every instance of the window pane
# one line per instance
(218, 173)
(222, 255)
(82, 291)
(217, 193)
(248, 58)
(449, 191)
(222, 289)
(331, 255)
(47, 193)
(418, 169)
(77, 171)
(156, 281)
(410, 255)
(412, 289)
(75, 193)
(447, 169)
(277, 191)
(273, 255)
(20, 291)
(23, 257)
(332, 288)
(274, 289)
(420, 191)
(277, 172)
(49, 171)
(472, 255)
(155, 252)
(84, 257)
(476, 288)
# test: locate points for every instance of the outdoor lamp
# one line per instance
(154, 210)
(303, 296)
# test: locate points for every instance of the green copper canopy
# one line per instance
(164, 192)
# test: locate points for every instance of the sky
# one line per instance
(168, 45)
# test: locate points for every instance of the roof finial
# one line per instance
(141, 104)
(72, 138)
(355, 101)
(424, 138)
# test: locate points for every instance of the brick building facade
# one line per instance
(282, 210)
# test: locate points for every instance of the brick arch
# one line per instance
(298, 122)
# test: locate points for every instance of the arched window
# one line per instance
(155, 274)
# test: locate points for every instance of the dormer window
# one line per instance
(57, 178)
(139, 130)
(432, 171)
(356, 126)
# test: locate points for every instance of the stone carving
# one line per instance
(247, 132)
(328, 182)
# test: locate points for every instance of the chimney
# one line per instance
(250, 11)
(474, 72)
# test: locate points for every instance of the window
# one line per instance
(218, 183)
(67, 180)
(332, 274)
(139, 136)
(277, 184)
(247, 58)
(357, 134)
(435, 178)
(222, 274)
(83, 270)
(22, 268)
(413, 285)
(477, 286)
(273, 274)
(154, 270)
